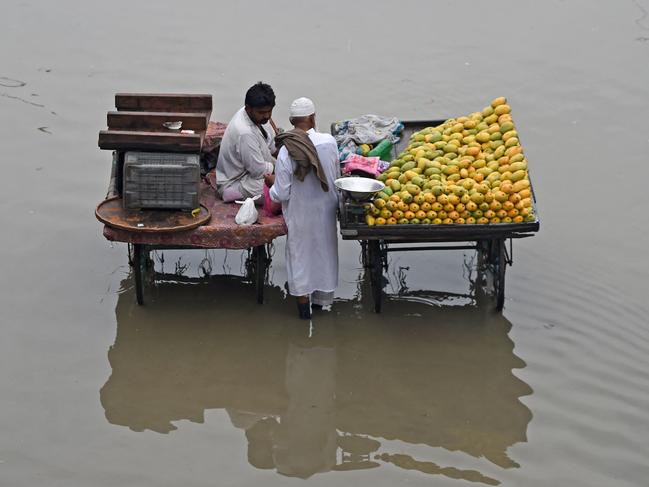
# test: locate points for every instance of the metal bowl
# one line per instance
(359, 188)
(173, 125)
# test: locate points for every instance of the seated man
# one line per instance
(307, 166)
(247, 148)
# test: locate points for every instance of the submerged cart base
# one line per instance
(221, 232)
(493, 256)
(140, 260)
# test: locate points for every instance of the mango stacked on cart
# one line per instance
(468, 170)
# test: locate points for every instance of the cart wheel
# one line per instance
(376, 274)
(499, 274)
(139, 269)
(259, 259)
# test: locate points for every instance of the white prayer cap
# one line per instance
(302, 107)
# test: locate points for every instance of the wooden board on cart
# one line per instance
(138, 123)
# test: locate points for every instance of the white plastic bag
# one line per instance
(247, 214)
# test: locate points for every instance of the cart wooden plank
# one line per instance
(153, 141)
(163, 102)
(438, 233)
(153, 121)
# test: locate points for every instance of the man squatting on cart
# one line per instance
(307, 166)
(247, 148)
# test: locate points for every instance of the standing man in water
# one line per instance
(307, 166)
(247, 148)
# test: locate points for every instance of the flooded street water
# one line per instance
(202, 386)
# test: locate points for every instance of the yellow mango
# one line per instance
(506, 127)
(494, 176)
(502, 109)
(512, 151)
(493, 165)
(517, 166)
(512, 142)
(518, 175)
(520, 185)
(524, 193)
(479, 164)
(517, 157)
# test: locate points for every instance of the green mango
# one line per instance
(408, 166)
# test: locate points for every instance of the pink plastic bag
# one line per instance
(271, 207)
(369, 165)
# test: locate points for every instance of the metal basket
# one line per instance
(161, 180)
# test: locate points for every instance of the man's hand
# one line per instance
(269, 179)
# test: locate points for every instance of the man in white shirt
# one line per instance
(307, 166)
(247, 148)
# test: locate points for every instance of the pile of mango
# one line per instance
(468, 170)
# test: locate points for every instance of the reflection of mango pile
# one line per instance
(465, 171)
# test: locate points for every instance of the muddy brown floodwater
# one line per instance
(202, 386)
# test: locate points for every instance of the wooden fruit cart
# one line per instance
(493, 242)
(139, 124)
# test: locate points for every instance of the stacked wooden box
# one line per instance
(138, 125)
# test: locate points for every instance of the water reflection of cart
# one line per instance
(348, 398)
(490, 241)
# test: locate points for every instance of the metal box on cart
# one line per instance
(161, 180)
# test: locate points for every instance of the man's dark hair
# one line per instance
(260, 95)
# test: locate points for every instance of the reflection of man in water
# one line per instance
(304, 441)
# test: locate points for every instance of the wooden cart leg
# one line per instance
(365, 258)
(376, 273)
(478, 287)
(139, 269)
(260, 262)
(499, 273)
(483, 252)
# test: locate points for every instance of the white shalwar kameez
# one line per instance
(310, 215)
